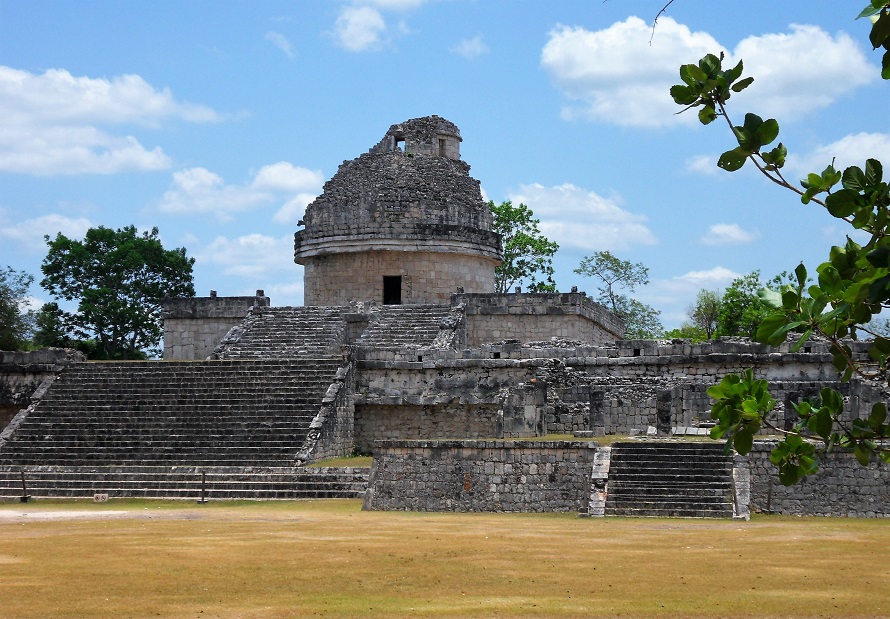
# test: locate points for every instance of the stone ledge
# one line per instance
(485, 444)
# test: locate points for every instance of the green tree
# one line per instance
(528, 254)
(686, 331)
(742, 310)
(706, 311)
(50, 330)
(16, 321)
(118, 278)
(853, 285)
(618, 278)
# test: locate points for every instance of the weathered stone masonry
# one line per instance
(193, 327)
(469, 476)
(399, 225)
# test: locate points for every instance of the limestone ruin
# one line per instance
(403, 351)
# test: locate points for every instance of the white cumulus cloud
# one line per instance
(359, 28)
(198, 190)
(728, 234)
(471, 48)
(850, 150)
(56, 123)
(361, 25)
(717, 276)
(615, 76)
(256, 256)
(576, 217)
(29, 233)
(801, 71)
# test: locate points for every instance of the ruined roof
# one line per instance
(421, 191)
(417, 132)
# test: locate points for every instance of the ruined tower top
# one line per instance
(407, 211)
(430, 135)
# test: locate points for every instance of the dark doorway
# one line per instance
(392, 289)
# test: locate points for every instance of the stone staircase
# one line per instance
(285, 333)
(204, 413)
(184, 482)
(158, 429)
(404, 326)
(670, 479)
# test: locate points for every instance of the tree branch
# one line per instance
(655, 21)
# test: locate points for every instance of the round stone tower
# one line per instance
(403, 223)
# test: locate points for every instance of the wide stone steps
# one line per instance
(179, 482)
(669, 479)
(236, 412)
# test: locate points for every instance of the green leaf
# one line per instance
(854, 178)
(743, 442)
(869, 11)
(874, 172)
(772, 329)
(880, 30)
(683, 95)
(863, 454)
(710, 64)
(768, 131)
(734, 73)
(879, 257)
(789, 474)
(843, 203)
(878, 415)
(803, 340)
(732, 160)
(707, 115)
(747, 139)
(691, 74)
(771, 297)
(740, 85)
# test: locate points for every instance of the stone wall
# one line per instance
(21, 373)
(473, 476)
(842, 487)
(376, 423)
(193, 327)
(332, 432)
(427, 277)
(562, 476)
(632, 385)
(538, 317)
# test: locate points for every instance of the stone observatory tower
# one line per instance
(404, 223)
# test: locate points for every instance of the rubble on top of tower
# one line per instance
(429, 135)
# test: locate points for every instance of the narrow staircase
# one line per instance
(670, 479)
(285, 333)
(404, 326)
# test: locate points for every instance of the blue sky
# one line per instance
(218, 122)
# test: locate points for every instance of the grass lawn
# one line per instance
(328, 558)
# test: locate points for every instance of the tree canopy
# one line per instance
(619, 277)
(16, 321)
(853, 286)
(705, 313)
(741, 309)
(118, 278)
(528, 254)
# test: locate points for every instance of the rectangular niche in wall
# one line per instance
(392, 289)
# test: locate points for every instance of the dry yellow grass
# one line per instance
(327, 558)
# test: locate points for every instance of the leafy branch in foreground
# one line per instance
(853, 286)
